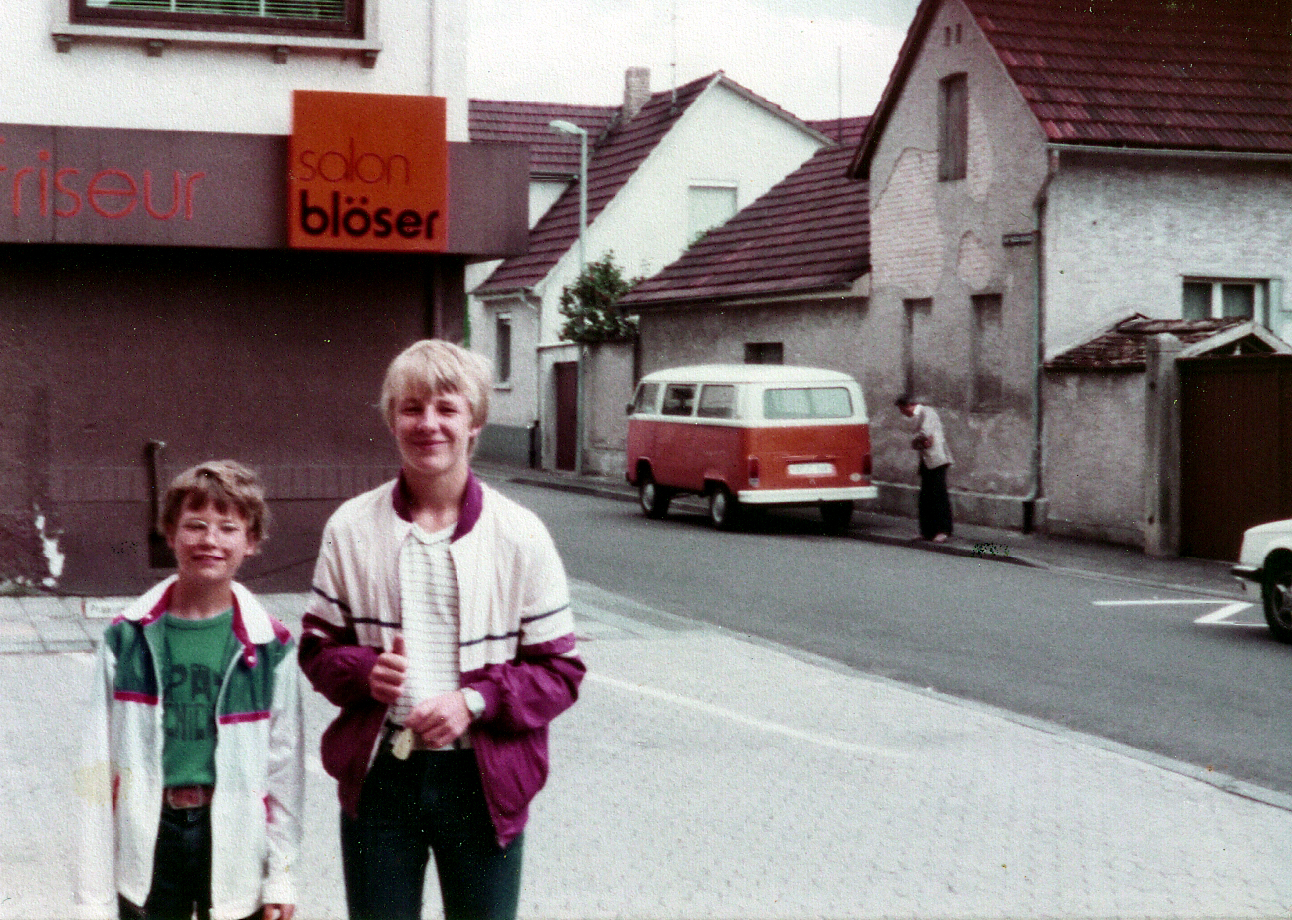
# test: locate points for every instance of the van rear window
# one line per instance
(807, 402)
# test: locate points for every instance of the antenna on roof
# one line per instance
(673, 54)
(838, 49)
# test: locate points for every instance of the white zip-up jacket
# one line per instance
(256, 806)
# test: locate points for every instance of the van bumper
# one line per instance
(805, 496)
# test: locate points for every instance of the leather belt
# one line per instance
(181, 797)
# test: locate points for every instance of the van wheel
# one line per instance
(836, 515)
(724, 508)
(652, 497)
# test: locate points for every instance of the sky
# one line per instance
(792, 53)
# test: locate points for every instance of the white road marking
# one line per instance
(733, 716)
(1220, 617)
(1148, 603)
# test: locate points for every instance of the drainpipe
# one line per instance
(1038, 339)
(160, 555)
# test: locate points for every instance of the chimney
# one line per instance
(636, 91)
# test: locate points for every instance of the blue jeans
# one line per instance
(431, 803)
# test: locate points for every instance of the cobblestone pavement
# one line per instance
(703, 775)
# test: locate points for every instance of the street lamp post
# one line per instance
(560, 126)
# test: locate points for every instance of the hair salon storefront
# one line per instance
(170, 297)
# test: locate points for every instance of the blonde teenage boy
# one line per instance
(440, 624)
(192, 768)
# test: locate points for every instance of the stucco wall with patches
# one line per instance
(947, 242)
(1094, 454)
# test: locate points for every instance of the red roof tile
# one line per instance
(1211, 75)
(1123, 346)
(810, 232)
(550, 154)
(610, 165)
(612, 162)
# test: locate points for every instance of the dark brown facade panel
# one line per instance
(272, 358)
(190, 188)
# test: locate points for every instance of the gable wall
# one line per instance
(723, 138)
(1121, 235)
(943, 240)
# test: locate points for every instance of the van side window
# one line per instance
(717, 401)
(647, 396)
(807, 402)
(679, 399)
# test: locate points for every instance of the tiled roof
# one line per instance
(1148, 73)
(810, 232)
(1123, 346)
(550, 154)
(1213, 75)
(610, 165)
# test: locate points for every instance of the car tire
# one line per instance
(836, 516)
(724, 508)
(653, 498)
(1276, 592)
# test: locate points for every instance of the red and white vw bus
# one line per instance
(747, 435)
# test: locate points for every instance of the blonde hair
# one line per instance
(433, 366)
(224, 484)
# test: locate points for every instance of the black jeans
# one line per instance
(431, 803)
(181, 884)
(935, 503)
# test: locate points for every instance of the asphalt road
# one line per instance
(1124, 662)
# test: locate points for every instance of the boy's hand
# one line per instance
(387, 675)
(441, 720)
(277, 911)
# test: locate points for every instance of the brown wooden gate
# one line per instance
(567, 414)
(1235, 449)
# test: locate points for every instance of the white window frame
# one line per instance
(723, 185)
(156, 38)
(1260, 300)
(500, 320)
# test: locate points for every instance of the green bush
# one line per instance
(590, 305)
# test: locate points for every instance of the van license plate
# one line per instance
(811, 469)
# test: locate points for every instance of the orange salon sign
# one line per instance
(367, 172)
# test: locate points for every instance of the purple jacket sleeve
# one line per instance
(529, 692)
(336, 665)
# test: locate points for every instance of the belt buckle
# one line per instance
(186, 797)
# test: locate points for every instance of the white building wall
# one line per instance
(1122, 234)
(198, 87)
(722, 137)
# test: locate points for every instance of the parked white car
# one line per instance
(1265, 568)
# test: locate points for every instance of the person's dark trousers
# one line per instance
(935, 503)
(431, 803)
(181, 883)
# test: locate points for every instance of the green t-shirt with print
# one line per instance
(195, 655)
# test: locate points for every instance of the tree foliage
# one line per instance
(591, 305)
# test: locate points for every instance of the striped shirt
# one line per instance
(428, 593)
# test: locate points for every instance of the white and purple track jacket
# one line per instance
(516, 638)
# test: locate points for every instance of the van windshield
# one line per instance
(807, 402)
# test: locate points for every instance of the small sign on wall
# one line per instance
(368, 172)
